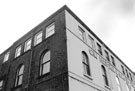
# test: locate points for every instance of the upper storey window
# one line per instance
(6, 57)
(27, 45)
(107, 55)
(91, 42)
(81, 33)
(127, 73)
(1, 84)
(38, 38)
(130, 77)
(50, 30)
(123, 69)
(18, 51)
(99, 49)
(113, 61)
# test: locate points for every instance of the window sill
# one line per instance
(27, 50)
(19, 86)
(108, 87)
(49, 36)
(37, 44)
(42, 76)
(17, 57)
(88, 76)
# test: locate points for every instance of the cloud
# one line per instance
(123, 7)
(111, 13)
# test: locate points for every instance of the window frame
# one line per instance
(123, 70)
(38, 40)
(130, 77)
(6, 57)
(113, 61)
(127, 73)
(18, 53)
(99, 49)
(19, 77)
(107, 55)
(86, 65)
(82, 34)
(42, 63)
(28, 46)
(118, 83)
(105, 76)
(91, 42)
(47, 30)
(1, 84)
(128, 88)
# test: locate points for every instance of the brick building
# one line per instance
(63, 54)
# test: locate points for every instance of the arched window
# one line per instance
(1, 84)
(19, 75)
(45, 63)
(128, 88)
(105, 75)
(118, 83)
(85, 62)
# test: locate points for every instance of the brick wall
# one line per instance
(57, 79)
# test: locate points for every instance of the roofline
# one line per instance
(80, 21)
(45, 20)
(40, 24)
(65, 7)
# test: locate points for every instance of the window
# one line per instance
(81, 33)
(1, 84)
(19, 75)
(113, 61)
(85, 64)
(99, 49)
(91, 42)
(50, 30)
(128, 88)
(105, 75)
(123, 69)
(38, 38)
(118, 83)
(45, 63)
(18, 51)
(127, 73)
(107, 55)
(27, 45)
(130, 77)
(6, 57)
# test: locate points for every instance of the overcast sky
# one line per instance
(112, 20)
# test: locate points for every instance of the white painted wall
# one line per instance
(76, 85)
(75, 46)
